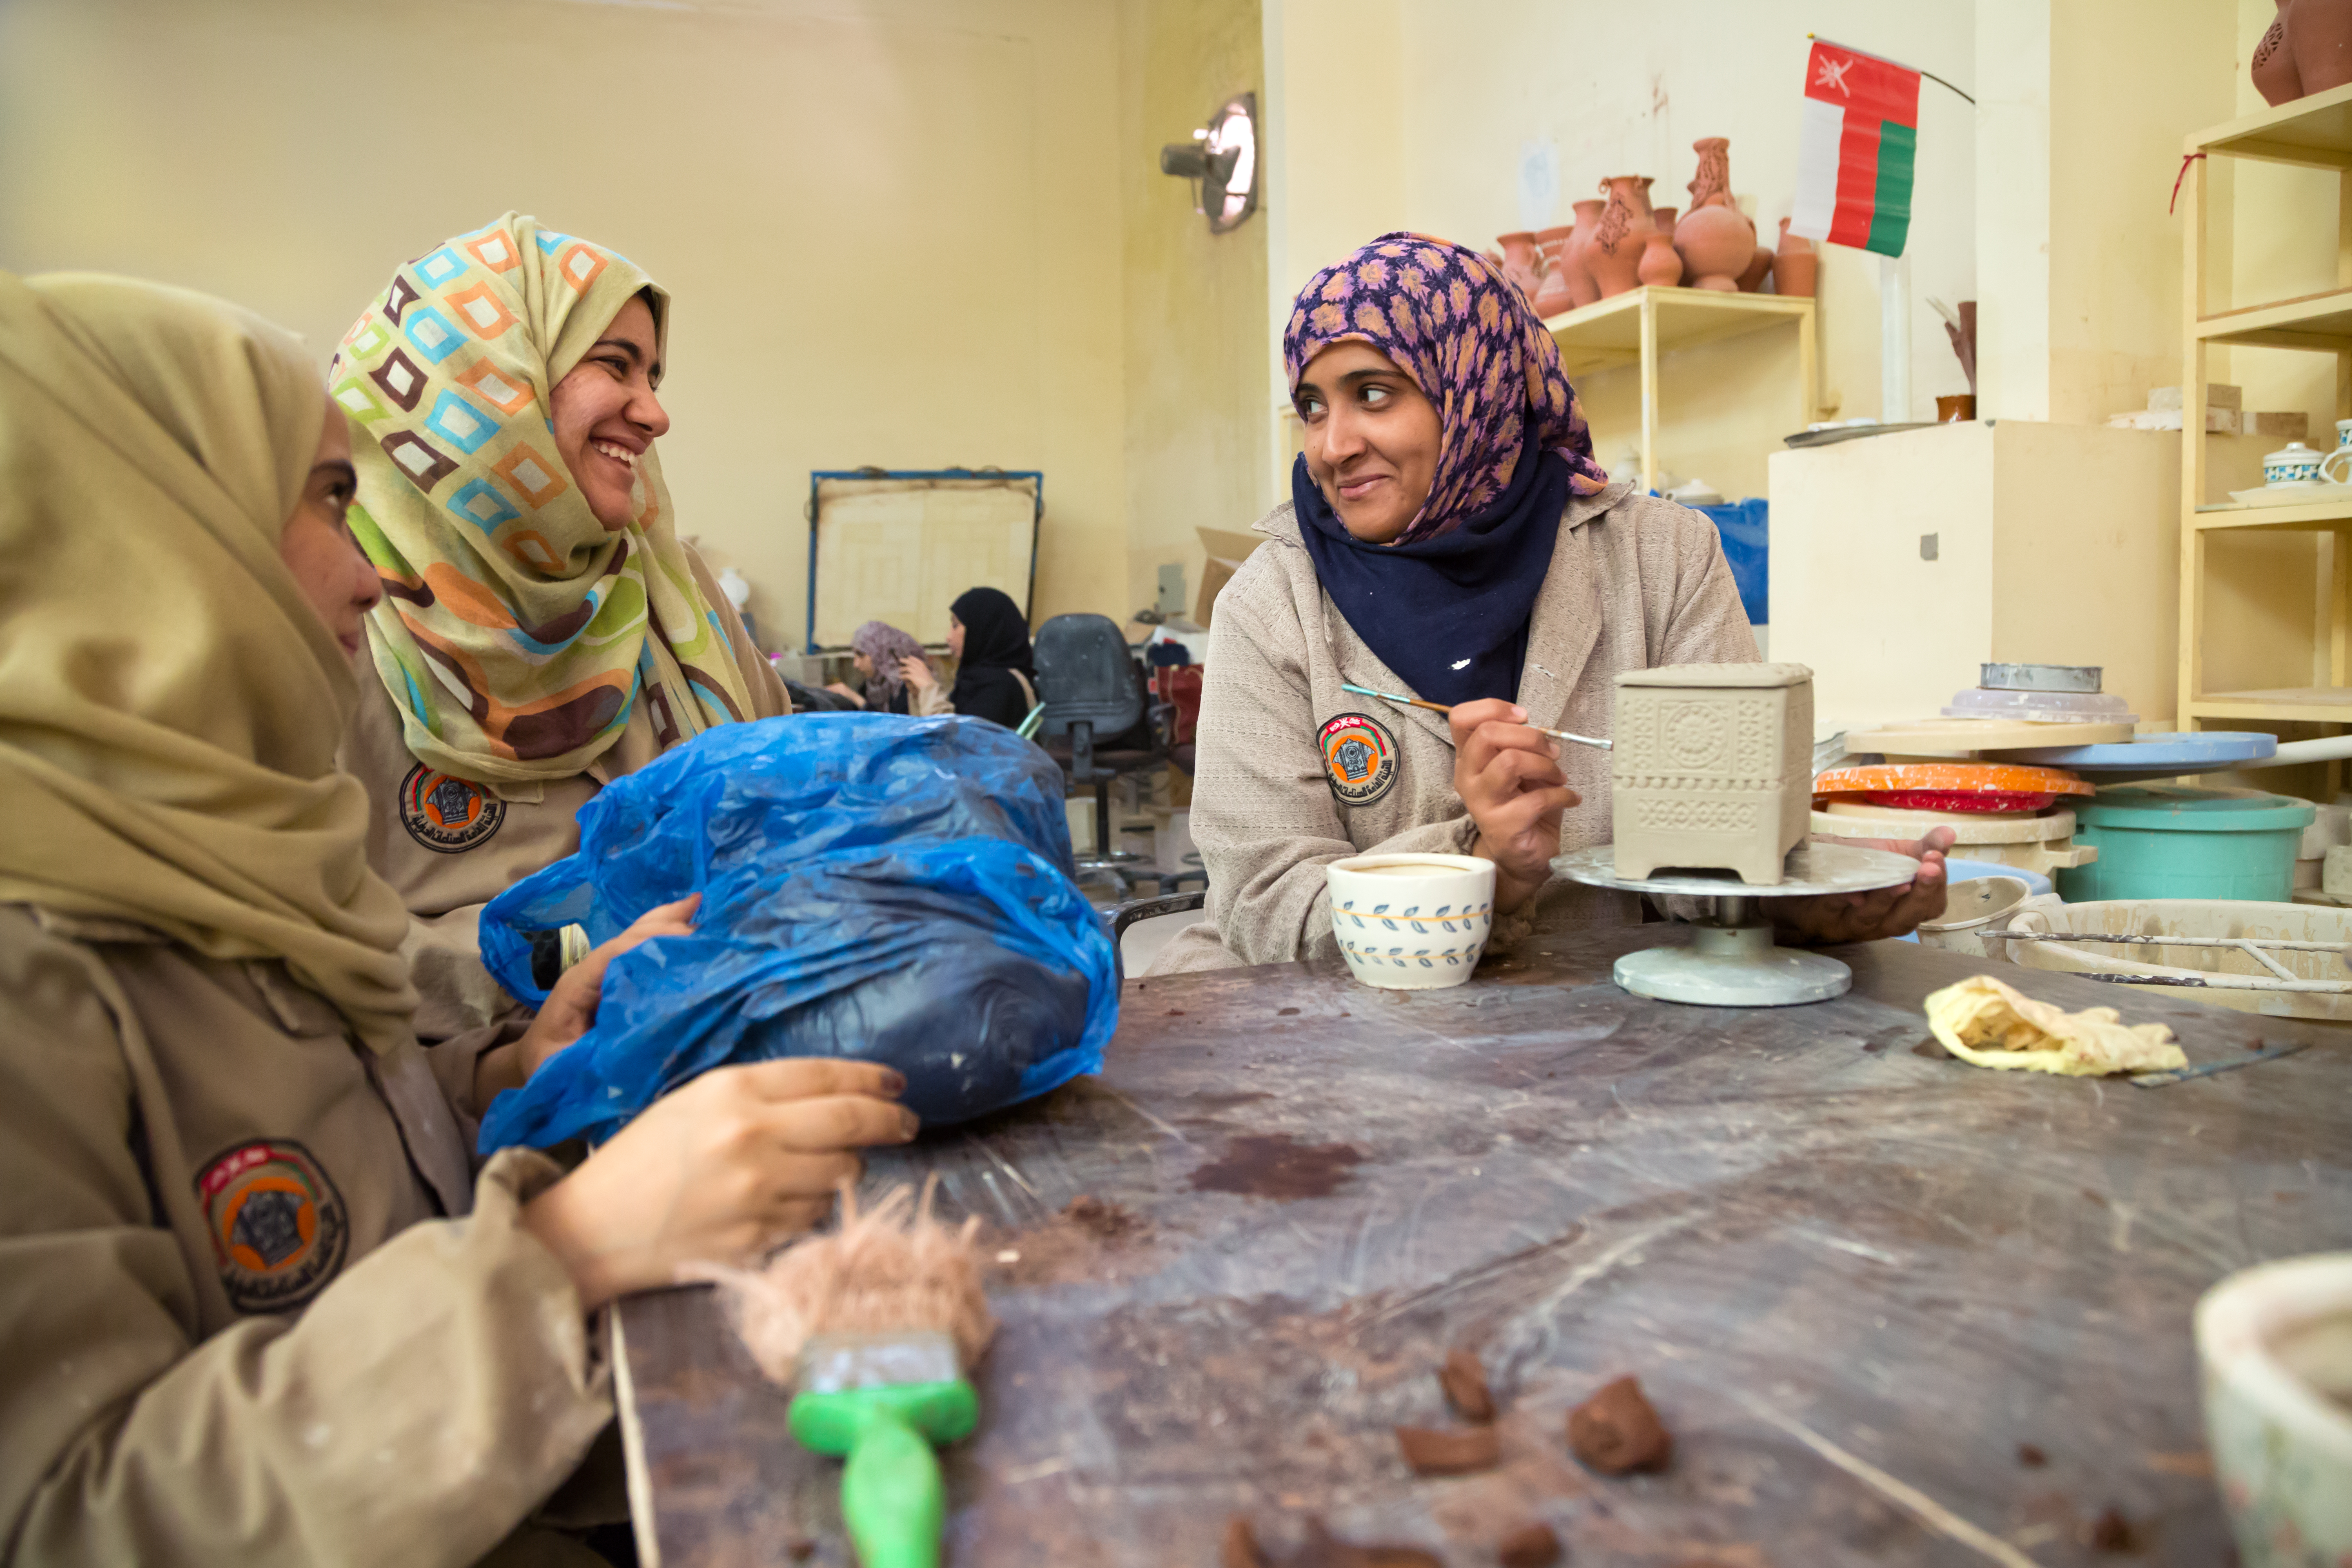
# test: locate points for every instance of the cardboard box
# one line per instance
(1227, 550)
(2280, 426)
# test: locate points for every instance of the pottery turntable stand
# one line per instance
(1732, 961)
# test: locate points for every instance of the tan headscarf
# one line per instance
(169, 704)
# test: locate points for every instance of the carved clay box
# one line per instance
(1713, 768)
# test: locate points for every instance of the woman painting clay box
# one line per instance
(1449, 534)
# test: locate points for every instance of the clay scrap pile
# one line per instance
(1618, 242)
(1616, 1431)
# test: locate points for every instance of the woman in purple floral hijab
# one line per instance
(1432, 509)
(1449, 318)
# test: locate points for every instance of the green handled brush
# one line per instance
(875, 1324)
(881, 1402)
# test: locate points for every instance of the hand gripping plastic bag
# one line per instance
(888, 889)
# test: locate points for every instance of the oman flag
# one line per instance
(1854, 159)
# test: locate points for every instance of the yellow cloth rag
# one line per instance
(1983, 1020)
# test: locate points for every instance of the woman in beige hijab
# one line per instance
(255, 1304)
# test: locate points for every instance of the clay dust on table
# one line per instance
(1276, 1166)
(1534, 1545)
(1091, 1239)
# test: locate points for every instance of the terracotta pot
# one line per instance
(1794, 268)
(1955, 410)
(2320, 35)
(1716, 245)
(2274, 73)
(1520, 262)
(1554, 297)
(1717, 241)
(1614, 254)
(1581, 288)
(1752, 281)
(1660, 267)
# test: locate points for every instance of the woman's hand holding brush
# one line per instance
(718, 1172)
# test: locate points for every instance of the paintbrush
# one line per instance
(877, 1324)
(1448, 708)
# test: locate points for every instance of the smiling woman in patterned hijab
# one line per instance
(543, 630)
(520, 629)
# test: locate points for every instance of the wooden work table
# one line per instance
(1854, 1274)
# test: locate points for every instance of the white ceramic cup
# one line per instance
(2275, 1343)
(1412, 922)
(2344, 433)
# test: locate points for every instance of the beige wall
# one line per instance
(891, 227)
(2084, 103)
(1196, 442)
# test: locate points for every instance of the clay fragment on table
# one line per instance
(2031, 1455)
(1240, 1549)
(1464, 1382)
(2111, 1531)
(1531, 1545)
(1325, 1549)
(1617, 1432)
(1452, 1452)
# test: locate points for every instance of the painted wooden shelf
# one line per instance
(1635, 327)
(2321, 322)
(2314, 131)
(2327, 514)
(2285, 704)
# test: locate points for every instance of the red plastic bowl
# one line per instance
(1980, 800)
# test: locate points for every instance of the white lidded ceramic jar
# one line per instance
(1412, 922)
(2293, 464)
(2275, 1344)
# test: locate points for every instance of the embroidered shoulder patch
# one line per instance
(448, 813)
(1359, 758)
(278, 1227)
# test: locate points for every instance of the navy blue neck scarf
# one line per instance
(1449, 614)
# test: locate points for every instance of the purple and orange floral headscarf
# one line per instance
(1450, 320)
(886, 645)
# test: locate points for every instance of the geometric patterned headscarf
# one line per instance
(1450, 320)
(516, 635)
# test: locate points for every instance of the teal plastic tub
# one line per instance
(2167, 841)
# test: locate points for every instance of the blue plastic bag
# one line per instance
(888, 889)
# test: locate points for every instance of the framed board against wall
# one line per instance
(900, 545)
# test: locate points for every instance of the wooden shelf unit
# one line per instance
(1635, 327)
(2314, 132)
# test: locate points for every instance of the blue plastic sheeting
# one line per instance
(1745, 527)
(889, 888)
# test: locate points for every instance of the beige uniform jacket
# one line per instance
(449, 846)
(255, 1307)
(1634, 581)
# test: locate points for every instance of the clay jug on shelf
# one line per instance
(1793, 269)
(1615, 254)
(1520, 262)
(1554, 298)
(1581, 288)
(2273, 71)
(1714, 239)
(1752, 281)
(1660, 267)
(2320, 35)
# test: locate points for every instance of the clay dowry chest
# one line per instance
(1712, 768)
